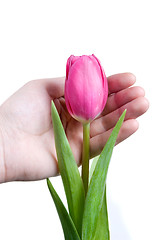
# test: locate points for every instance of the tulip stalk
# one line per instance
(85, 156)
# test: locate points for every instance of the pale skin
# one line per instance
(27, 149)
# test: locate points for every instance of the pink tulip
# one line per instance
(86, 88)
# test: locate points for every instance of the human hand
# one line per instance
(26, 129)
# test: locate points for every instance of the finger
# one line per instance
(120, 81)
(98, 142)
(117, 82)
(134, 108)
(62, 110)
(121, 98)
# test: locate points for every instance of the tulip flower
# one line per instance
(86, 92)
(86, 88)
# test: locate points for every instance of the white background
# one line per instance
(36, 38)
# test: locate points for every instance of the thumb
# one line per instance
(54, 86)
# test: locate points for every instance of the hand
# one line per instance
(26, 127)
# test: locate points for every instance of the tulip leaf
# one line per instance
(96, 190)
(102, 228)
(71, 178)
(93, 165)
(70, 232)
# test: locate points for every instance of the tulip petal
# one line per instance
(86, 88)
(96, 190)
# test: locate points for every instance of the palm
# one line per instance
(29, 127)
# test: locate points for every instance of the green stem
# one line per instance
(85, 156)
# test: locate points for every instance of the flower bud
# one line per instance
(86, 88)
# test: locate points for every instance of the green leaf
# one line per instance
(95, 194)
(71, 178)
(102, 228)
(70, 232)
(93, 165)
